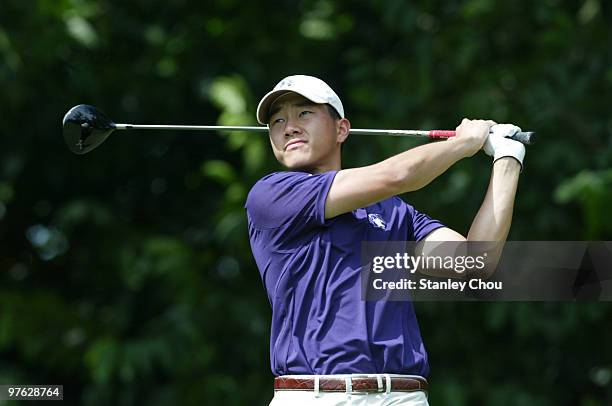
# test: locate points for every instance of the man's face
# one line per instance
(304, 136)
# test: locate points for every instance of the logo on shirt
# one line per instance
(377, 221)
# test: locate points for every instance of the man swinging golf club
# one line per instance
(306, 226)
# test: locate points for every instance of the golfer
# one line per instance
(306, 226)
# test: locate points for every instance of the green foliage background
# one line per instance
(126, 274)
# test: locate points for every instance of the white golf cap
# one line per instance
(314, 89)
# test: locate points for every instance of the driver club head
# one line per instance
(85, 128)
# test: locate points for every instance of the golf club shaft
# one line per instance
(189, 127)
(524, 137)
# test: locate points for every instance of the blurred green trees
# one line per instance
(127, 275)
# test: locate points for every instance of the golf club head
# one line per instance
(85, 128)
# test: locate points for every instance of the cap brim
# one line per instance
(263, 109)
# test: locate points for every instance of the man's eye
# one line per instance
(303, 113)
(277, 120)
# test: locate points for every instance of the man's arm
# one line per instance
(405, 172)
(492, 222)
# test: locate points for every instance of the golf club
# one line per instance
(85, 128)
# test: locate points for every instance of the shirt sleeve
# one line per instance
(295, 199)
(422, 224)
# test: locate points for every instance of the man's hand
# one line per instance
(472, 134)
(498, 146)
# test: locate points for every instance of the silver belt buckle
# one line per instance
(349, 383)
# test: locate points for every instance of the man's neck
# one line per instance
(335, 166)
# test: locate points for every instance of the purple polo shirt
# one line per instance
(310, 268)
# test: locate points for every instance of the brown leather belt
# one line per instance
(359, 383)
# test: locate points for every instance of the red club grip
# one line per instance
(526, 137)
(441, 133)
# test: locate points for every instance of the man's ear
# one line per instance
(343, 127)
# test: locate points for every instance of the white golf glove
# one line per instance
(498, 146)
